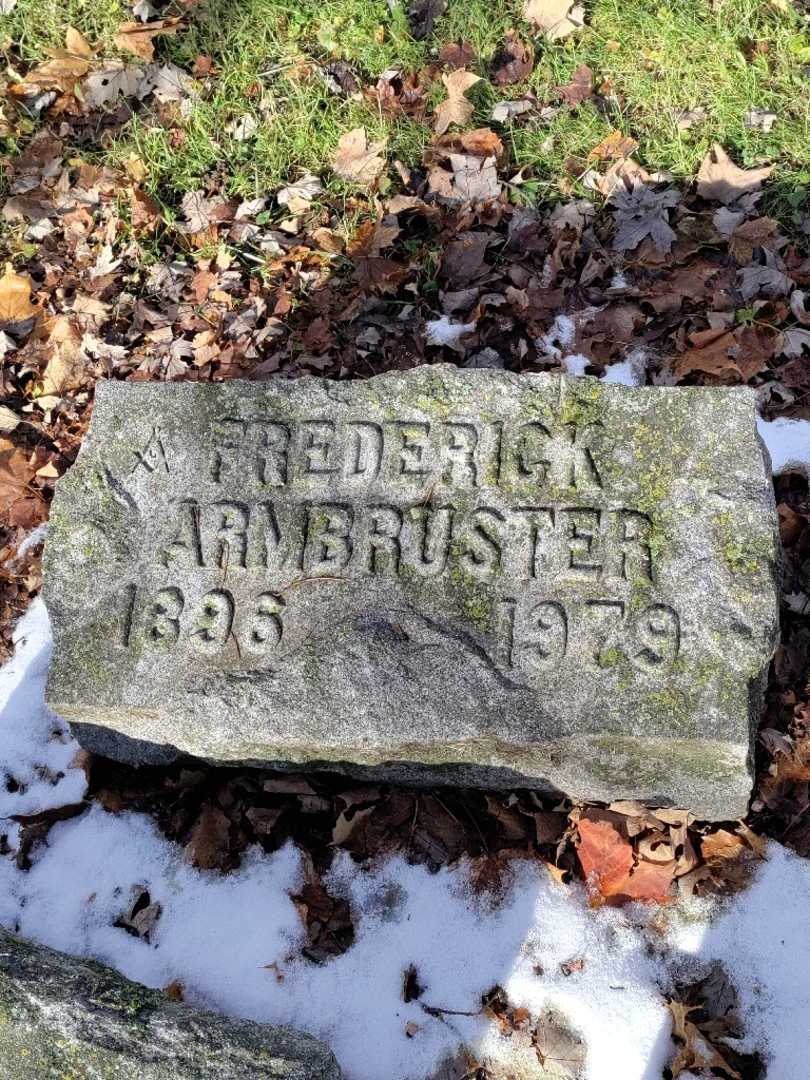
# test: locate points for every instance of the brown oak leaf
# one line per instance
(455, 109)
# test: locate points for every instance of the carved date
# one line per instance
(209, 625)
(539, 636)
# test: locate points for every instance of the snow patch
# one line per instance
(631, 371)
(560, 335)
(788, 443)
(36, 536)
(36, 747)
(575, 363)
(445, 331)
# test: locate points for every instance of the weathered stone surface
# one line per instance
(500, 578)
(68, 1019)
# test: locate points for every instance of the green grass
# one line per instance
(659, 58)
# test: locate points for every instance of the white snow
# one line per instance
(575, 363)
(445, 331)
(763, 938)
(36, 536)
(559, 336)
(628, 372)
(562, 334)
(35, 746)
(788, 443)
(234, 941)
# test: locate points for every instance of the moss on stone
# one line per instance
(582, 403)
(742, 552)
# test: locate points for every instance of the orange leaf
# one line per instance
(720, 845)
(604, 853)
(15, 298)
(650, 881)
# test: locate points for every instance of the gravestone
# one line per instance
(473, 577)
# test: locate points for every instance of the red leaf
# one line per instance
(604, 853)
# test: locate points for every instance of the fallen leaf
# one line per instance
(358, 160)
(8, 419)
(474, 179)
(455, 56)
(137, 38)
(114, 79)
(208, 846)
(554, 18)
(760, 120)
(15, 298)
(604, 855)
(649, 881)
(613, 147)
(142, 914)
(642, 212)
(560, 1049)
(720, 179)
(505, 111)
(696, 1053)
(580, 88)
(721, 845)
(746, 237)
(297, 197)
(515, 61)
(456, 109)
(685, 118)
(422, 14)
(77, 44)
(243, 128)
(711, 354)
(607, 860)
(67, 368)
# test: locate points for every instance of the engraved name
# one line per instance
(341, 538)
(459, 453)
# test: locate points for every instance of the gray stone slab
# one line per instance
(62, 1018)
(496, 579)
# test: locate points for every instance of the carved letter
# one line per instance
(365, 451)
(531, 453)
(380, 549)
(581, 532)
(542, 540)
(229, 434)
(427, 545)
(459, 441)
(317, 446)
(329, 544)
(629, 545)
(272, 453)
(579, 467)
(411, 451)
(186, 544)
(265, 538)
(228, 546)
(482, 556)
